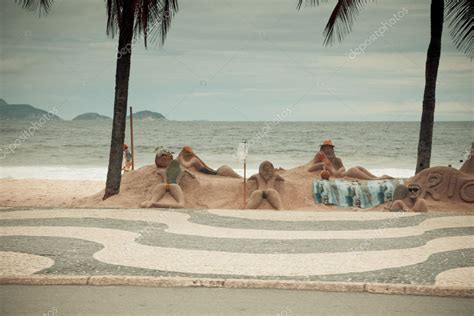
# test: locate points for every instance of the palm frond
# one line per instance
(310, 3)
(342, 19)
(42, 6)
(459, 14)
(152, 18)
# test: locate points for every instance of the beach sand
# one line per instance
(45, 193)
(205, 191)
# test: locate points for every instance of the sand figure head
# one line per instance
(414, 191)
(187, 153)
(328, 148)
(266, 170)
(163, 157)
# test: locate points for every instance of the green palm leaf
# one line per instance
(459, 15)
(152, 17)
(341, 20)
(42, 6)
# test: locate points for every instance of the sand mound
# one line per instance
(447, 189)
(207, 191)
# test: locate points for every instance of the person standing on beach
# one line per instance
(127, 159)
(326, 159)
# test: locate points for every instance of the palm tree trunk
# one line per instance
(122, 74)
(429, 96)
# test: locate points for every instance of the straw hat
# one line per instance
(327, 142)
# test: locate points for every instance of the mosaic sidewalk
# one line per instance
(394, 252)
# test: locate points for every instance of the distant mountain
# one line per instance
(147, 116)
(23, 112)
(90, 117)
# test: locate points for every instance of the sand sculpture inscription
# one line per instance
(266, 181)
(448, 183)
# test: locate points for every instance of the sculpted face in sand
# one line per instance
(266, 180)
(411, 202)
(189, 159)
(163, 157)
(170, 179)
(326, 159)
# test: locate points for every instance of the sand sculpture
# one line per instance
(326, 160)
(408, 199)
(163, 157)
(468, 166)
(170, 179)
(446, 184)
(189, 159)
(266, 187)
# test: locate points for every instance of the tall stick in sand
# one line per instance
(242, 152)
(245, 183)
(131, 138)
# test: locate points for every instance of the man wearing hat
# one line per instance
(326, 159)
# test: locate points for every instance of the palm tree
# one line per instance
(458, 13)
(130, 19)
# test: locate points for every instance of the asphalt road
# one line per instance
(125, 300)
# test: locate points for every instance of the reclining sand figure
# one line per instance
(266, 181)
(326, 159)
(171, 178)
(189, 159)
(408, 199)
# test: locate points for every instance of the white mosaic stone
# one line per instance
(456, 277)
(120, 248)
(305, 216)
(178, 223)
(17, 263)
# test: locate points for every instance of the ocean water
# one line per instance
(79, 150)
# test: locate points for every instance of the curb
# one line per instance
(113, 280)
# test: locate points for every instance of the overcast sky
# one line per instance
(234, 60)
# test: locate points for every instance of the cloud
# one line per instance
(16, 64)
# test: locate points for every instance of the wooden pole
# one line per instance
(131, 138)
(245, 183)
